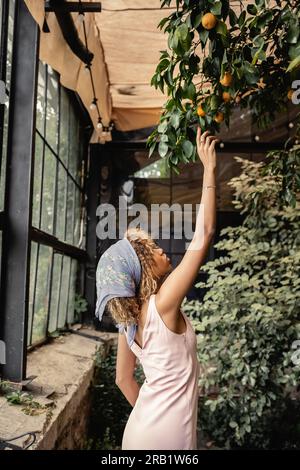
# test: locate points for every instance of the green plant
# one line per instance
(30, 406)
(251, 55)
(250, 318)
(80, 306)
(5, 387)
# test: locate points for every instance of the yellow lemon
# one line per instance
(219, 117)
(200, 111)
(226, 96)
(227, 79)
(209, 21)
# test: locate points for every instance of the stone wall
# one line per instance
(64, 371)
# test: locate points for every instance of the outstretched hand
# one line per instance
(206, 149)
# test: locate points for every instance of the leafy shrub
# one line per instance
(256, 46)
(249, 320)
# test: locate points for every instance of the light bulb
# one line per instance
(291, 125)
(80, 17)
(222, 145)
(256, 138)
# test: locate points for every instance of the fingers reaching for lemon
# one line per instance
(206, 148)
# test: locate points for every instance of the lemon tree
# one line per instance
(248, 58)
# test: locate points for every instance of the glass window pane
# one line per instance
(10, 41)
(70, 212)
(33, 273)
(64, 126)
(3, 162)
(48, 191)
(52, 109)
(240, 129)
(77, 227)
(72, 291)
(61, 203)
(74, 146)
(55, 288)
(151, 191)
(64, 289)
(37, 181)
(6, 104)
(41, 294)
(157, 169)
(40, 103)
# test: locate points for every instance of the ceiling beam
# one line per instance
(83, 7)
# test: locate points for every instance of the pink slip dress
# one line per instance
(165, 413)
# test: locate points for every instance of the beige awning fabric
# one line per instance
(126, 44)
(56, 52)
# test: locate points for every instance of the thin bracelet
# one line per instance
(209, 187)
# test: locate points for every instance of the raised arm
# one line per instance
(125, 367)
(175, 287)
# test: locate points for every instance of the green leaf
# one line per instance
(191, 91)
(251, 73)
(260, 3)
(202, 123)
(233, 424)
(242, 18)
(251, 9)
(174, 158)
(294, 51)
(294, 64)
(258, 41)
(163, 64)
(293, 34)
(152, 148)
(204, 36)
(187, 148)
(196, 20)
(216, 8)
(214, 102)
(162, 127)
(286, 14)
(258, 55)
(224, 60)
(163, 149)
(182, 31)
(221, 28)
(233, 19)
(162, 23)
(175, 120)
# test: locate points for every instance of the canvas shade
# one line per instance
(126, 44)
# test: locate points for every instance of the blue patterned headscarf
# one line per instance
(118, 275)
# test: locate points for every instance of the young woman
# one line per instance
(143, 294)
